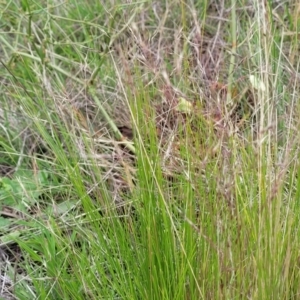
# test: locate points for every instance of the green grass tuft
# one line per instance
(149, 150)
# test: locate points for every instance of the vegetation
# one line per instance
(149, 149)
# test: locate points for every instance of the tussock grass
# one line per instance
(149, 150)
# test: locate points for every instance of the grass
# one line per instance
(149, 150)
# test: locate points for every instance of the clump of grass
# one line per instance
(199, 201)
